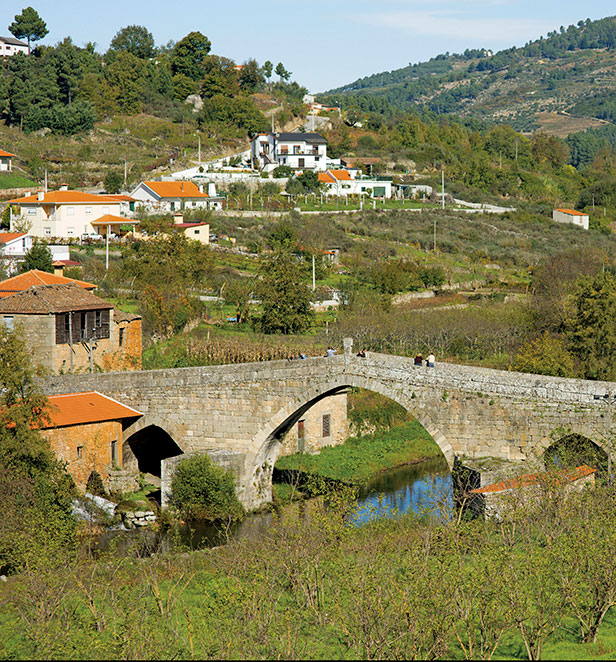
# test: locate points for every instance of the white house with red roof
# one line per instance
(350, 182)
(63, 213)
(13, 249)
(6, 161)
(571, 216)
(173, 196)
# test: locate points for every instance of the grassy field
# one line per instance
(14, 180)
(361, 458)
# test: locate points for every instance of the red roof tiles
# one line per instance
(36, 277)
(566, 475)
(176, 189)
(89, 407)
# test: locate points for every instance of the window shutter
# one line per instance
(61, 337)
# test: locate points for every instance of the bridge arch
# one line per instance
(576, 448)
(267, 441)
(147, 442)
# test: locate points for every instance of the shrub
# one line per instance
(201, 490)
(95, 485)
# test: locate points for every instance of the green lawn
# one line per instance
(15, 180)
(361, 458)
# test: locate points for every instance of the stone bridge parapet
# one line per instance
(247, 408)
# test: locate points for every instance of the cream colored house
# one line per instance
(63, 213)
(571, 216)
(197, 231)
(10, 46)
(173, 196)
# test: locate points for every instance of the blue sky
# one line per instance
(324, 44)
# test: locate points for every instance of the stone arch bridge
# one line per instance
(241, 412)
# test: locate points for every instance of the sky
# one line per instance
(324, 44)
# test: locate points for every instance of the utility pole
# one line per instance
(314, 283)
(107, 248)
(442, 188)
(45, 180)
(199, 137)
(125, 173)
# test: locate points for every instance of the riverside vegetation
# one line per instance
(539, 584)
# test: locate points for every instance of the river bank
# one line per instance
(356, 462)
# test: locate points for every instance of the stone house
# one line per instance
(69, 329)
(497, 497)
(63, 213)
(86, 431)
(324, 424)
(6, 158)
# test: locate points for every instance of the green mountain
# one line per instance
(562, 83)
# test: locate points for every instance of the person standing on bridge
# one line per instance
(430, 360)
(330, 351)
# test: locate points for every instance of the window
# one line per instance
(327, 421)
(31, 211)
(121, 338)
(79, 452)
(9, 322)
(114, 452)
(98, 319)
(70, 231)
(197, 231)
(67, 324)
(88, 210)
(70, 211)
(47, 231)
(105, 210)
(83, 325)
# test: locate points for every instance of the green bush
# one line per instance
(201, 490)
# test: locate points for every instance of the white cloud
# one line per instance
(444, 23)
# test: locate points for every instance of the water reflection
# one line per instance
(423, 489)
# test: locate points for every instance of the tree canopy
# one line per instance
(134, 39)
(28, 25)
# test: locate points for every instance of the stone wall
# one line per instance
(94, 440)
(248, 409)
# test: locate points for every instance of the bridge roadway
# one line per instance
(239, 413)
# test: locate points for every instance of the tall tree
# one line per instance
(282, 72)
(268, 67)
(30, 25)
(189, 55)
(134, 39)
(285, 299)
(38, 257)
(593, 329)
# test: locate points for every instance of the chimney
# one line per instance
(58, 268)
(63, 187)
(41, 196)
(200, 188)
(178, 218)
(211, 190)
(27, 194)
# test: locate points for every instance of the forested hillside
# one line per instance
(570, 70)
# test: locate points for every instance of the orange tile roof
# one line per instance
(35, 277)
(176, 189)
(89, 407)
(572, 212)
(332, 176)
(5, 237)
(3, 153)
(341, 174)
(110, 219)
(566, 475)
(66, 197)
(120, 196)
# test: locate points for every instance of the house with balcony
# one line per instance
(68, 328)
(63, 213)
(300, 151)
